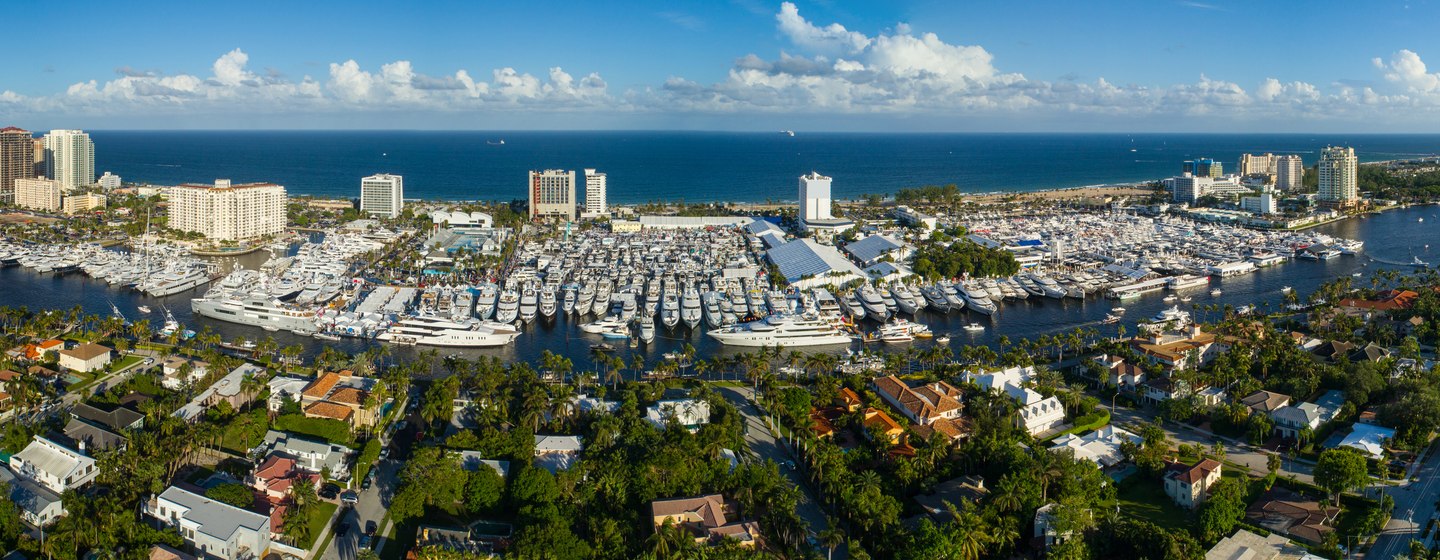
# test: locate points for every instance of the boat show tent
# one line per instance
(807, 264)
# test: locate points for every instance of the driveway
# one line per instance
(763, 446)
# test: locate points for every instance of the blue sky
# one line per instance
(924, 65)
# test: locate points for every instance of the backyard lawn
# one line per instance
(1142, 498)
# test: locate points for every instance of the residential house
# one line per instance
(876, 421)
(932, 407)
(229, 389)
(1371, 352)
(315, 456)
(1160, 389)
(37, 504)
(272, 481)
(283, 389)
(1101, 446)
(177, 371)
(848, 400)
(1368, 439)
(1284, 512)
(710, 519)
(473, 461)
(1291, 420)
(340, 396)
(557, 453)
(689, 413)
(116, 419)
(1333, 350)
(87, 437)
(1191, 348)
(1188, 485)
(54, 466)
(1265, 402)
(1389, 300)
(1244, 545)
(1016, 376)
(36, 351)
(1119, 373)
(1038, 414)
(85, 357)
(213, 529)
(1045, 534)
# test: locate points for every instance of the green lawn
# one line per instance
(1142, 498)
(126, 362)
(319, 515)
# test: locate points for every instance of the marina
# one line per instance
(358, 314)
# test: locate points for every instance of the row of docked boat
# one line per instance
(155, 269)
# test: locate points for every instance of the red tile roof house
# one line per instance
(707, 518)
(272, 480)
(933, 407)
(1189, 484)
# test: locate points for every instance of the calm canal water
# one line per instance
(1390, 241)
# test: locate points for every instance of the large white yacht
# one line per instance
(690, 311)
(782, 330)
(428, 330)
(258, 310)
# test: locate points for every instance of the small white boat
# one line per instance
(144, 309)
(325, 336)
(1170, 299)
(1118, 310)
(1215, 292)
(942, 339)
(1286, 289)
(974, 327)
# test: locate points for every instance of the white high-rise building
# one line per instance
(109, 181)
(1338, 184)
(225, 212)
(815, 197)
(70, 158)
(38, 194)
(1289, 172)
(552, 194)
(1263, 204)
(1190, 188)
(595, 204)
(382, 195)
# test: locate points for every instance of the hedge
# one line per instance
(367, 459)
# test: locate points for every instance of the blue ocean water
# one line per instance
(694, 166)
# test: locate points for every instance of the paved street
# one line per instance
(1414, 506)
(371, 508)
(1235, 451)
(764, 447)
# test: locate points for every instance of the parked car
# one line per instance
(371, 526)
(349, 498)
(365, 485)
(329, 491)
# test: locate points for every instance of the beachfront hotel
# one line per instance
(552, 194)
(595, 204)
(382, 195)
(1338, 184)
(1251, 164)
(228, 213)
(70, 158)
(17, 160)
